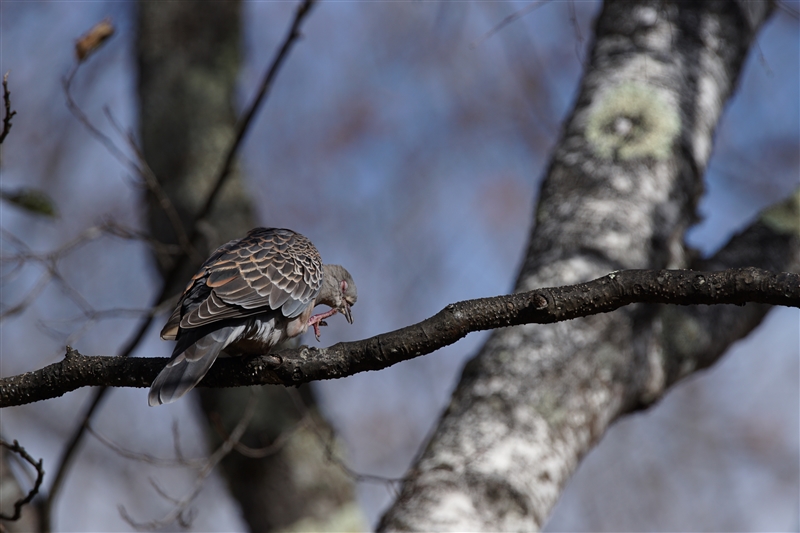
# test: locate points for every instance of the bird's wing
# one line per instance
(270, 268)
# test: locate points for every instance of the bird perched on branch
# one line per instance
(251, 294)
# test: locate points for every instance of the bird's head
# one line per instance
(338, 290)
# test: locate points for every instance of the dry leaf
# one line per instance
(93, 39)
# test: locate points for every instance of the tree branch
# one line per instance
(535, 400)
(699, 336)
(37, 465)
(244, 122)
(541, 306)
(9, 114)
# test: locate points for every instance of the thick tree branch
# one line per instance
(535, 400)
(541, 306)
(696, 337)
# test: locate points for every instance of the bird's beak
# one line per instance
(346, 312)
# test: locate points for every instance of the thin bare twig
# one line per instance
(176, 440)
(161, 492)
(171, 278)
(145, 457)
(783, 6)
(327, 441)
(78, 113)
(8, 112)
(37, 465)
(154, 186)
(86, 45)
(244, 122)
(50, 262)
(573, 18)
(160, 248)
(178, 513)
(34, 293)
(533, 6)
(271, 449)
(138, 167)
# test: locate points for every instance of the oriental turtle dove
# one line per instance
(251, 294)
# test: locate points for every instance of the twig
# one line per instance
(786, 9)
(161, 492)
(176, 439)
(159, 248)
(265, 451)
(171, 278)
(44, 280)
(19, 450)
(573, 17)
(78, 113)
(85, 46)
(144, 457)
(533, 6)
(50, 263)
(8, 112)
(140, 168)
(154, 185)
(181, 505)
(327, 441)
(244, 122)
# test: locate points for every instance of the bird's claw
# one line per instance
(316, 326)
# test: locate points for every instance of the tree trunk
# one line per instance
(188, 65)
(620, 192)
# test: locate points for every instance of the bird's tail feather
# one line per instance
(185, 370)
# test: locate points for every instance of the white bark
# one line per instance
(620, 192)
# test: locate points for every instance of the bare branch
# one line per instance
(573, 18)
(159, 248)
(37, 465)
(34, 293)
(326, 436)
(533, 6)
(179, 512)
(49, 261)
(146, 457)
(247, 118)
(265, 451)
(139, 166)
(8, 112)
(542, 306)
(786, 8)
(154, 186)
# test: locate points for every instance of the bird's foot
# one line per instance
(319, 320)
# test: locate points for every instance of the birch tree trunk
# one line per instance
(620, 192)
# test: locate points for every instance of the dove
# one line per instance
(251, 294)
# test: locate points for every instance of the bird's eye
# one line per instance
(344, 286)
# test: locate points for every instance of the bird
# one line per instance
(248, 296)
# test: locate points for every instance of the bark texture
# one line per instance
(620, 192)
(189, 61)
(543, 306)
